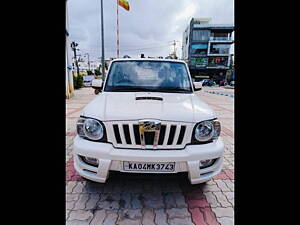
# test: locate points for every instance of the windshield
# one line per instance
(156, 76)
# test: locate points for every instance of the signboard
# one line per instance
(199, 61)
(201, 76)
(199, 46)
(218, 61)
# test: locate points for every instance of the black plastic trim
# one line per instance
(117, 133)
(149, 98)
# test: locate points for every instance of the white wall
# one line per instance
(69, 75)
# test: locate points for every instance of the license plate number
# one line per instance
(149, 167)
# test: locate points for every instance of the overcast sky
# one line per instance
(149, 27)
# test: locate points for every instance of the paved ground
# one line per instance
(156, 199)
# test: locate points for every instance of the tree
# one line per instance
(78, 81)
(89, 72)
(98, 72)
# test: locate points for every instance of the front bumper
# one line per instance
(110, 158)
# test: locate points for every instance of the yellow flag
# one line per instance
(124, 4)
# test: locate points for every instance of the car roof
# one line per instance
(147, 59)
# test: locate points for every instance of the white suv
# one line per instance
(148, 120)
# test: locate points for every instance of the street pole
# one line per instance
(118, 43)
(174, 53)
(88, 60)
(73, 46)
(102, 40)
(69, 71)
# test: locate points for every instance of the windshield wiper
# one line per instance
(174, 90)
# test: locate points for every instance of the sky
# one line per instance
(149, 27)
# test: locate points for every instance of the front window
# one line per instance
(221, 36)
(201, 35)
(200, 49)
(158, 76)
(219, 49)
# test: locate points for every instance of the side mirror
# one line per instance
(197, 86)
(97, 85)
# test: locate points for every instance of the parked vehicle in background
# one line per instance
(208, 83)
(204, 82)
(87, 80)
(198, 83)
(222, 83)
(148, 119)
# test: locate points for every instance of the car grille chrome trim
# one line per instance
(171, 135)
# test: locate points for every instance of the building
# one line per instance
(206, 48)
(68, 57)
(84, 66)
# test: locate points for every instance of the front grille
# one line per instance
(127, 135)
(137, 134)
(117, 134)
(181, 135)
(162, 135)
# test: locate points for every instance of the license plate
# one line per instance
(149, 167)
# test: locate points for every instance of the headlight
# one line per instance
(90, 128)
(207, 130)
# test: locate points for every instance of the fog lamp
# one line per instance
(91, 161)
(206, 163)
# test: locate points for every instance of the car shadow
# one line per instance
(143, 183)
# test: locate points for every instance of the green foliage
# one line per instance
(78, 81)
(97, 72)
(89, 72)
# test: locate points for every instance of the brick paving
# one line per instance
(152, 199)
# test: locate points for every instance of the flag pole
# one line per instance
(102, 42)
(118, 51)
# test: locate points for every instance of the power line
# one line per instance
(133, 50)
(139, 45)
(147, 48)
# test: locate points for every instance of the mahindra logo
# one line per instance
(149, 126)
